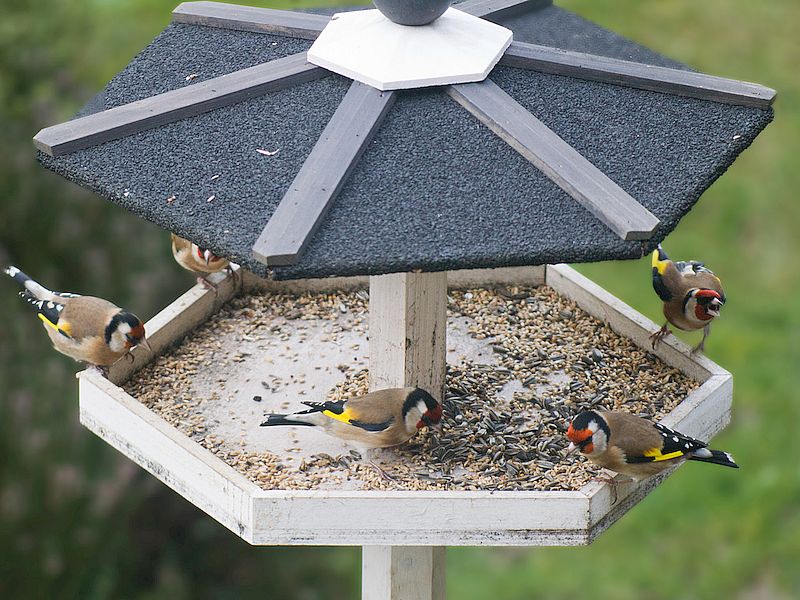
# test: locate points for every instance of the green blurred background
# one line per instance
(79, 521)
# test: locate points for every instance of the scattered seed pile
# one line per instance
(504, 422)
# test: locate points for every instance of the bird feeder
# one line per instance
(332, 154)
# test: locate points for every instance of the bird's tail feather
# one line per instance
(717, 457)
(284, 420)
(33, 288)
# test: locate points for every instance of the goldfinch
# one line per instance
(691, 293)
(380, 419)
(197, 260)
(88, 329)
(627, 444)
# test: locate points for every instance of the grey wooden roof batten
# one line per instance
(221, 132)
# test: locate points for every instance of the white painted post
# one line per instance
(407, 331)
(403, 573)
(407, 347)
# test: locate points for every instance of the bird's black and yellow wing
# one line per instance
(50, 313)
(339, 411)
(673, 445)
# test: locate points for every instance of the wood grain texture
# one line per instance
(177, 104)
(555, 158)
(504, 276)
(492, 10)
(461, 279)
(403, 573)
(637, 75)
(407, 331)
(249, 18)
(179, 462)
(332, 159)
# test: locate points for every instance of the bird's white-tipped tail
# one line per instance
(36, 289)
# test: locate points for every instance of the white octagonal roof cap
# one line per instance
(366, 46)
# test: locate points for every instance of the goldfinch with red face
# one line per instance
(692, 296)
(627, 444)
(197, 260)
(90, 330)
(378, 420)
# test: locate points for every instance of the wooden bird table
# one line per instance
(403, 532)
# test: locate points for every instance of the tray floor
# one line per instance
(521, 361)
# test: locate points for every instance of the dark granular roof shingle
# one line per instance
(435, 189)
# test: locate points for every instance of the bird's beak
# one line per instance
(713, 307)
(207, 255)
(145, 344)
(571, 449)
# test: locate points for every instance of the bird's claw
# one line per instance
(102, 371)
(655, 338)
(233, 275)
(207, 284)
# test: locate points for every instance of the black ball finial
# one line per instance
(412, 12)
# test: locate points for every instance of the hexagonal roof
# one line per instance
(435, 189)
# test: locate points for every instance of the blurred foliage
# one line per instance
(79, 521)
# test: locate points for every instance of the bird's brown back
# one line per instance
(381, 405)
(634, 434)
(87, 315)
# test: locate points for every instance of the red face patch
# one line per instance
(577, 436)
(137, 332)
(432, 416)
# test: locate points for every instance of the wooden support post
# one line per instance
(407, 322)
(403, 573)
(407, 347)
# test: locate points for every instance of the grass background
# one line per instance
(79, 521)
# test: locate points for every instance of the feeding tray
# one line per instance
(290, 341)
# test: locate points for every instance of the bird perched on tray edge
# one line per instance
(197, 260)
(633, 446)
(692, 295)
(379, 419)
(88, 329)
